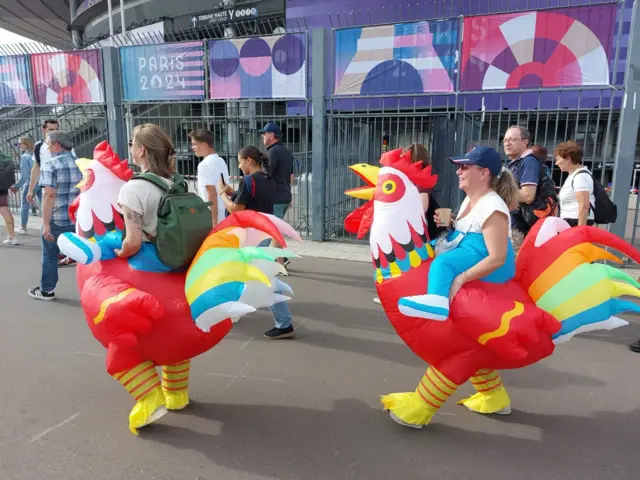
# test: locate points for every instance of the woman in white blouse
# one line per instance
(576, 195)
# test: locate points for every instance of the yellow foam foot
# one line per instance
(176, 400)
(408, 409)
(496, 401)
(149, 408)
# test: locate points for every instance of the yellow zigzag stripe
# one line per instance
(505, 321)
(110, 301)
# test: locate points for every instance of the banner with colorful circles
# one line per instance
(68, 77)
(565, 47)
(258, 67)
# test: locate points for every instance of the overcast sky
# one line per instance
(8, 37)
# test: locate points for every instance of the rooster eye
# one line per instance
(389, 186)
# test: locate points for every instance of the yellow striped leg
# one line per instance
(491, 396)
(143, 385)
(175, 385)
(416, 409)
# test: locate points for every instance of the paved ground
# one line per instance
(299, 409)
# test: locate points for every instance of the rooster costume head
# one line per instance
(95, 210)
(393, 211)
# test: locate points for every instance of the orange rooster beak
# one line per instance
(369, 175)
(83, 165)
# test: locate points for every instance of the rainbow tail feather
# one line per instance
(231, 276)
(559, 276)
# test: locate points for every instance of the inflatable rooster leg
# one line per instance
(557, 292)
(147, 315)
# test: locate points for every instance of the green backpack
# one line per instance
(184, 221)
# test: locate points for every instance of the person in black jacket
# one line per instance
(280, 170)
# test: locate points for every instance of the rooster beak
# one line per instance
(83, 165)
(369, 175)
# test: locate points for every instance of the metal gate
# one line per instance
(235, 125)
(87, 124)
(361, 134)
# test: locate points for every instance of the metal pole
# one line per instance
(124, 28)
(110, 13)
(319, 130)
(628, 128)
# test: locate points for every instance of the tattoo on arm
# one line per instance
(134, 218)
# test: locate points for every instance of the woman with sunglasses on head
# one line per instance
(257, 191)
(152, 151)
(478, 247)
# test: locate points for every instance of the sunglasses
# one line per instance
(130, 143)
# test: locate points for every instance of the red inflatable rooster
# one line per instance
(146, 314)
(556, 294)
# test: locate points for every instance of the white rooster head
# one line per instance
(393, 211)
(95, 210)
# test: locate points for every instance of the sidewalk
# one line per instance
(333, 250)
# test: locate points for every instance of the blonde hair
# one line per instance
(158, 149)
(504, 184)
(28, 141)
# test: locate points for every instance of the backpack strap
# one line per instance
(36, 151)
(581, 171)
(178, 181)
(591, 207)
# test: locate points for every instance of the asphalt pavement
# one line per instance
(306, 408)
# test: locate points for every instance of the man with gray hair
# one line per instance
(536, 198)
(58, 179)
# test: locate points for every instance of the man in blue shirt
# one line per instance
(58, 179)
(526, 170)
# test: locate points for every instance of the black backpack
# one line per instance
(604, 211)
(7, 172)
(544, 205)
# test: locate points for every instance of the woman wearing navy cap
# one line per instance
(478, 246)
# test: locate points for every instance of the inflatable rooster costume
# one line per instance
(146, 314)
(557, 292)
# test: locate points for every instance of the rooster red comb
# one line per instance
(108, 158)
(421, 177)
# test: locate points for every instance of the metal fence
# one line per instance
(235, 125)
(361, 128)
(86, 123)
(356, 136)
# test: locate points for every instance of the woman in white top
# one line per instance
(152, 151)
(576, 195)
(479, 245)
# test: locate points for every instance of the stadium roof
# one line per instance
(44, 21)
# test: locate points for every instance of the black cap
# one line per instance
(271, 128)
(485, 157)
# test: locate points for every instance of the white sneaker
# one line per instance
(21, 231)
(10, 241)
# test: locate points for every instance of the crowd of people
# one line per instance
(502, 203)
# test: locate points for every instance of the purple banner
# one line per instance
(258, 67)
(396, 59)
(163, 72)
(15, 87)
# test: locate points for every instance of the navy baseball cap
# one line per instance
(485, 157)
(271, 128)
